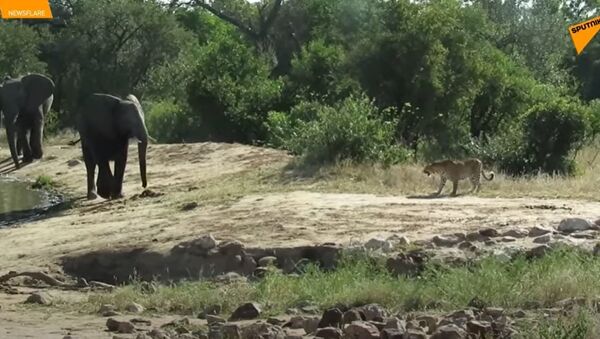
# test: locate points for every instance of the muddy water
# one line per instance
(18, 200)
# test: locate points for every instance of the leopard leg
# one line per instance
(442, 184)
(454, 187)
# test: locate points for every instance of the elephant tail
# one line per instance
(75, 142)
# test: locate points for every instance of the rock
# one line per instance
(231, 331)
(516, 233)
(373, 312)
(378, 244)
(508, 239)
(119, 326)
(73, 162)
(141, 321)
(398, 240)
(428, 321)
(490, 242)
(295, 322)
(416, 333)
(537, 231)
(395, 323)
(230, 277)
(310, 324)
(467, 314)
(449, 332)
(544, 239)
(589, 234)
(352, 315)
(447, 241)
(267, 261)
(392, 333)
(379, 324)
(310, 309)
(467, 246)
(407, 264)
(134, 308)
(329, 333)
(214, 319)
(331, 318)
(361, 330)
(211, 310)
(538, 251)
(263, 330)
(107, 309)
(481, 328)
(205, 243)
(246, 312)
(189, 206)
(158, 334)
(570, 225)
(41, 298)
(231, 247)
(494, 312)
(185, 336)
(276, 321)
(489, 232)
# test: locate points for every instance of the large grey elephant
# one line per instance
(106, 124)
(24, 102)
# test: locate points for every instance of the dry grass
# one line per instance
(404, 179)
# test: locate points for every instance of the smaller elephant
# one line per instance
(25, 102)
(106, 124)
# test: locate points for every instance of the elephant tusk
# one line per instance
(151, 139)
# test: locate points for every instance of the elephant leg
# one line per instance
(19, 147)
(10, 136)
(105, 179)
(90, 167)
(120, 163)
(36, 136)
(23, 126)
(24, 143)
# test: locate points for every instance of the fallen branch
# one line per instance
(35, 275)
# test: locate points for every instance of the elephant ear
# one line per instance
(38, 88)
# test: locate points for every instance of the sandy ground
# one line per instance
(273, 219)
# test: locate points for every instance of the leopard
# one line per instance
(456, 170)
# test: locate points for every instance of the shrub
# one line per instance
(542, 140)
(352, 129)
(552, 131)
(170, 122)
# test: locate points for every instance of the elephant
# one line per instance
(106, 124)
(25, 101)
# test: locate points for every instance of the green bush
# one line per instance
(552, 132)
(169, 122)
(542, 140)
(353, 129)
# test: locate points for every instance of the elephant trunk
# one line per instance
(142, 146)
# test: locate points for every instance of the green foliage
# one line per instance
(319, 74)
(111, 47)
(43, 182)
(19, 51)
(578, 327)
(231, 90)
(552, 132)
(170, 122)
(352, 130)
